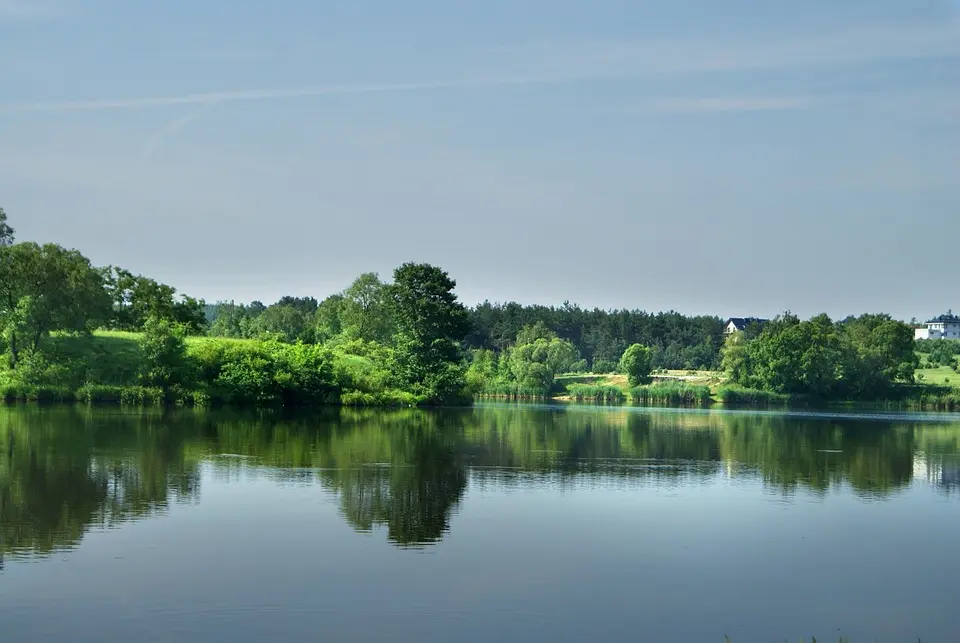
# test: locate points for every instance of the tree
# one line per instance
(328, 320)
(136, 298)
(48, 288)
(164, 353)
(366, 311)
(431, 323)
(285, 322)
(635, 364)
(6, 232)
(306, 305)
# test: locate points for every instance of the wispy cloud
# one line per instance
(173, 127)
(730, 104)
(555, 64)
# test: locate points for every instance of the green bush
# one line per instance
(736, 395)
(389, 398)
(259, 373)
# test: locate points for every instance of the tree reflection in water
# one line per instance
(64, 471)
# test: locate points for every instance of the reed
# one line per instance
(601, 393)
(672, 393)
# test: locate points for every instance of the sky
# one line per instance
(729, 157)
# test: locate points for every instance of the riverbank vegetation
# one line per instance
(72, 331)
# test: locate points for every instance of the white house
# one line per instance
(942, 327)
(739, 324)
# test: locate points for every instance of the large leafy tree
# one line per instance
(48, 288)
(635, 364)
(137, 298)
(431, 323)
(366, 312)
(539, 356)
(286, 322)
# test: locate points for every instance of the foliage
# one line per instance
(735, 395)
(164, 354)
(534, 363)
(136, 298)
(601, 337)
(258, 373)
(430, 324)
(604, 366)
(939, 352)
(6, 232)
(671, 393)
(635, 364)
(365, 310)
(45, 289)
(858, 358)
(596, 393)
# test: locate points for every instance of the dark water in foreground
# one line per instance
(494, 524)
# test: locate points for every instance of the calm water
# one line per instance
(495, 524)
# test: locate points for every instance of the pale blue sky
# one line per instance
(724, 156)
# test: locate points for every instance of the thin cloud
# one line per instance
(173, 127)
(552, 64)
(285, 92)
(730, 104)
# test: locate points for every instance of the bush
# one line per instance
(635, 364)
(164, 354)
(259, 373)
(125, 395)
(393, 397)
(735, 395)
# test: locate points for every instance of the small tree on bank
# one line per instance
(164, 353)
(636, 364)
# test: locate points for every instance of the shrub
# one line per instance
(164, 354)
(735, 395)
(635, 364)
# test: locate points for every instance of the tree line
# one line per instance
(408, 339)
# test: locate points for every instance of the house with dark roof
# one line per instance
(740, 324)
(941, 327)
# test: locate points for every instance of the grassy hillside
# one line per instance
(942, 375)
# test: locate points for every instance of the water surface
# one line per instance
(492, 524)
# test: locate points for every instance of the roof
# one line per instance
(740, 323)
(949, 318)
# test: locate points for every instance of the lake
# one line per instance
(499, 523)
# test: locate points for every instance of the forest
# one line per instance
(75, 331)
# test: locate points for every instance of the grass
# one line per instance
(604, 393)
(941, 375)
(674, 393)
(735, 396)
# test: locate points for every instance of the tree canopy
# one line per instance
(857, 358)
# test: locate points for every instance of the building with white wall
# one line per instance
(942, 327)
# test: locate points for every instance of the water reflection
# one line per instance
(64, 471)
